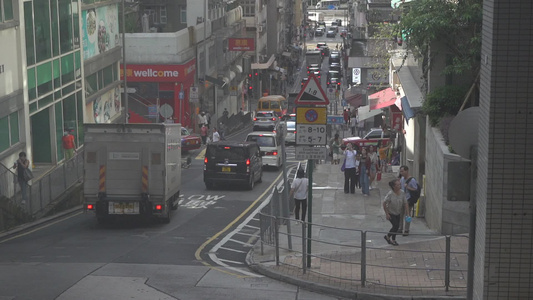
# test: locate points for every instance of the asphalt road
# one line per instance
(199, 255)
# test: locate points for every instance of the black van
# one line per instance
(227, 162)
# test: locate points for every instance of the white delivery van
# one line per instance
(269, 145)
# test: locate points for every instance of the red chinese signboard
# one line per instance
(241, 44)
(159, 73)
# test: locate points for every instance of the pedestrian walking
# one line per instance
(349, 169)
(361, 128)
(364, 171)
(410, 186)
(216, 135)
(201, 120)
(208, 119)
(299, 188)
(222, 131)
(203, 134)
(353, 124)
(393, 205)
(384, 156)
(357, 177)
(374, 165)
(335, 145)
(69, 145)
(346, 116)
(24, 174)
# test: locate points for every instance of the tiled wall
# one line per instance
(504, 236)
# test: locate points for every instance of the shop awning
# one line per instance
(355, 100)
(265, 65)
(364, 112)
(408, 112)
(381, 99)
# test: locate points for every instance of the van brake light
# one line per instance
(205, 160)
(248, 162)
(90, 207)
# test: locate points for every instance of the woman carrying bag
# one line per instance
(349, 169)
(299, 192)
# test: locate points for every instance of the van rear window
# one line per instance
(226, 152)
(262, 141)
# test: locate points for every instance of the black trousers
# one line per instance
(297, 204)
(349, 180)
(395, 221)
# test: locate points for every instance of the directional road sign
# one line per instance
(311, 93)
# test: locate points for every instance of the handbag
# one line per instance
(28, 175)
(343, 165)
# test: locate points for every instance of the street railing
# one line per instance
(42, 191)
(432, 262)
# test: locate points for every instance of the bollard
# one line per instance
(304, 250)
(447, 267)
(276, 238)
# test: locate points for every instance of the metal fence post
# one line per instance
(276, 238)
(261, 233)
(304, 250)
(447, 267)
(363, 258)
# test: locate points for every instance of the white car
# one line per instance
(266, 120)
(269, 145)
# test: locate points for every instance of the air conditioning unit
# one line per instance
(260, 28)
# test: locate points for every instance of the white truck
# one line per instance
(132, 169)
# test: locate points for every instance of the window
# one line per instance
(183, 14)
(42, 30)
(100, 79)
(6, 10)
(163, 15)
(9, 131)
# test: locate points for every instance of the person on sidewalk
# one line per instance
(393, 205)
(349, 169)
(21, 165)
(364, 172)
(216, 135)
(346, 116)
(335, 145)
(299, 189)
(374, 165)
(357, 175)
(361, 128)
(383, 156)
(69, 145)
(353, 124)
(408, 185)
(203, 134)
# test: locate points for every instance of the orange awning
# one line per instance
(381, 99)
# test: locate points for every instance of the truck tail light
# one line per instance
(248, 162)
(255, 119)
(205, 160)
(273, 153)
(159, 207)
(90, 207)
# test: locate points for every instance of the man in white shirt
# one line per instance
(216, 135)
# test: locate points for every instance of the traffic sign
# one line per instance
(311, 115)
(335, 120)
(311, 93)
(310, 134)
(307, 152)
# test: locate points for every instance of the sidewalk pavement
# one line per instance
(340, 273)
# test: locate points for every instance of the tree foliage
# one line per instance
(456, 24)
(444, 101)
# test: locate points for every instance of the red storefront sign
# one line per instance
(241, 44)
(159, 73)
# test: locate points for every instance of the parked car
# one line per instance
(270, 145)
(319, 31)
(372, 138)
(188, 141)
(331, 34)
(266, 120)
(232, 162)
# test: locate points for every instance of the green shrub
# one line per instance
(444, 101)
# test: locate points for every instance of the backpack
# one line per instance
(414, 195)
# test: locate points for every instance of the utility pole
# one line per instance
(125, 86)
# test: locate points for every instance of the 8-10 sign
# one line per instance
(308, 134)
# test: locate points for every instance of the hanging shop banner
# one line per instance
(241, 44)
